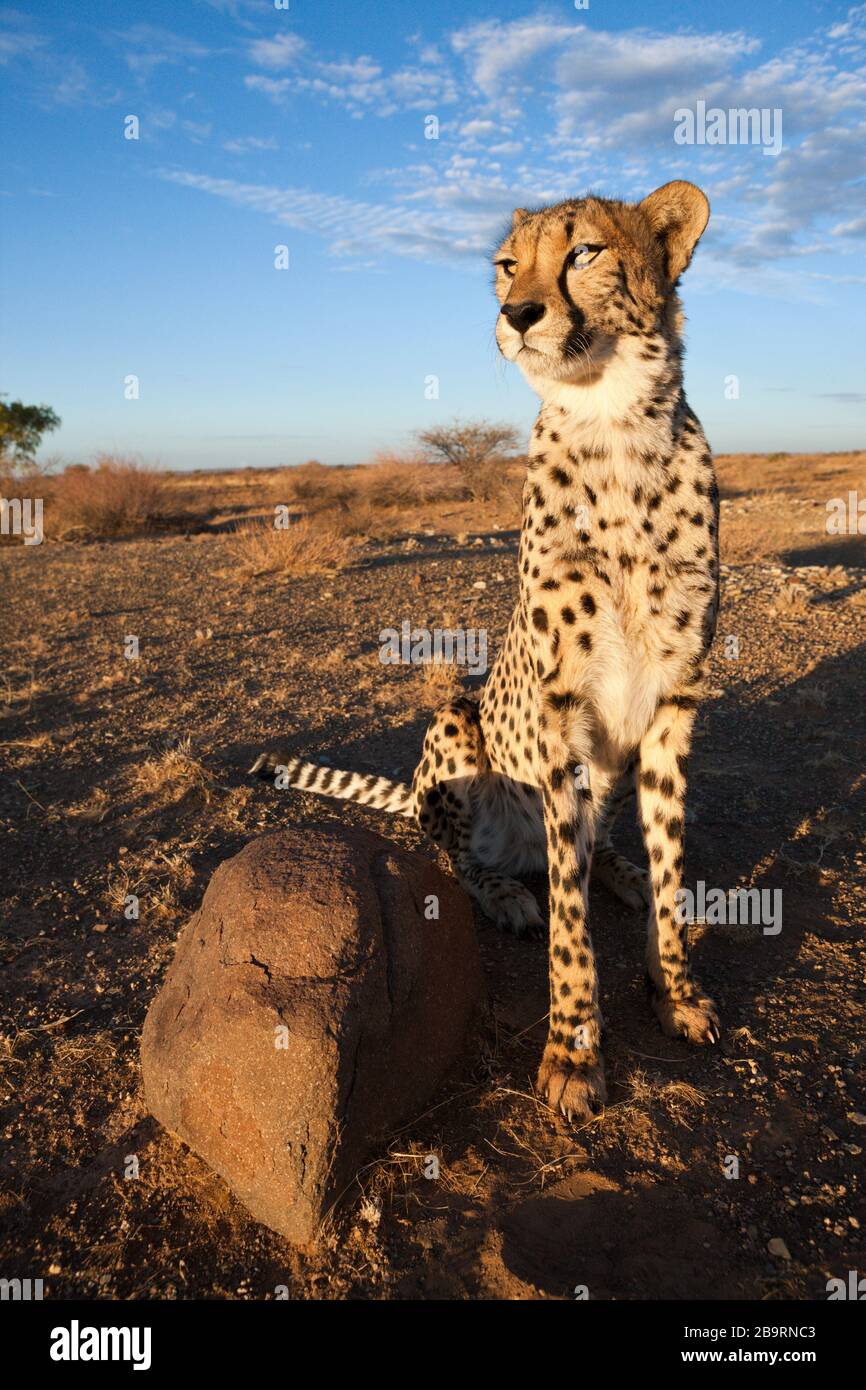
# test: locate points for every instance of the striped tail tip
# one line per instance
(265, 766)
(366, 790)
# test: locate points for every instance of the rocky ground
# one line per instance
(127, 777)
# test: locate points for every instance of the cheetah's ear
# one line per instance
(517, 217)
(678, 212)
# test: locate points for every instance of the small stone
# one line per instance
(856, 1117)
(778, 1249)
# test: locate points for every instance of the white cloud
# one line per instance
(360, 84)
(60, 80)
(472, 129)
(495, 51)
(856, 227)
(353, 227)
(148, 46)
(198, 131)
(279, 52)
(274, 88)
(16, 41)
(244, 144)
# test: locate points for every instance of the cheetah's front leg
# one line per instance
(680, 1005)
(571, 1075)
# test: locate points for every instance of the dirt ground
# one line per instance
(128, 777)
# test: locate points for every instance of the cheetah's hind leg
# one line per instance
(618, 875)
(448, 788)
(512, 906)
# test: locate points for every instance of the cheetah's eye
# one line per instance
(581, 256)
(508, 265)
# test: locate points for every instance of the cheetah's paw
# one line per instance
(518, 913)
(625, 881)
(694, 1018)
(578, 1091)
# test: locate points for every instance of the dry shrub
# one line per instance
(481, 451)
(416, 481)
(305, 547)
(406, 480)
(363, 521)
(315, 486)
(392, 481)
(118, 496)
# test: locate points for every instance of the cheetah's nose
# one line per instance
(523, 315)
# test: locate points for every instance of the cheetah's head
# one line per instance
(577, 280)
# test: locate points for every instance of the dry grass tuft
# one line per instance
(363, 521)
(91, 1052)
(22, 694)
(37, 742)
(174, 773)
(305, 547)
(811, 698)
(678, 1099)
(792, 601)
(93, 809)
(160, 879)
(116, 497)
(438, 680)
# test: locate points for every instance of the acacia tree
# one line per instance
(21, 430)
(478, 448)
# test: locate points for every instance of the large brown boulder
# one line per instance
(314, 1003)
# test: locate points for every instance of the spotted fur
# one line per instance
(595, 688)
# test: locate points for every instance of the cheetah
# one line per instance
(594, 692)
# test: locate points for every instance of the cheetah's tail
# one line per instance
(395, 797)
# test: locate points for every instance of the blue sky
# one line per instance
(306, 127)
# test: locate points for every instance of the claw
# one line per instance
(692, 1018)
(578, 1092)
